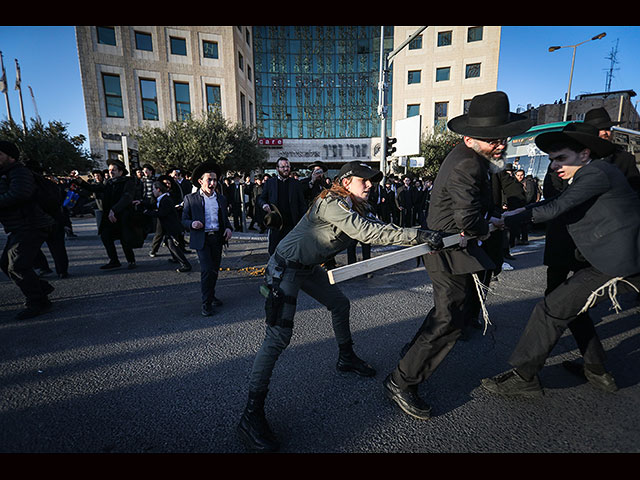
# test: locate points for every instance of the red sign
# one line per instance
(270, 142)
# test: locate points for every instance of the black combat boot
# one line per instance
(253, 426)
(348, 361)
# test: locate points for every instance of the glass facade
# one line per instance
(318, 81)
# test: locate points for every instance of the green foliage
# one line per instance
(50, 145)
(434, 147)
(190, 142)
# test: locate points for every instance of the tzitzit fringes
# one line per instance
(482, 290)
(610, 287)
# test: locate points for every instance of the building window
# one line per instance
(443, 74)
(183, 103)
(242, 109)
(416, 43)
(149, 99)
(472, 70)
(209, 49)
(143, 41)
(441, 111)
(474, 34)
(248, 73)
(214, 102)
(248, 37)
(444, 38)
(466, 107)
(250, 113)
(413, 110)
(240, 61)
(414, 76)
(106, 35)
(112, 95)
(178, 46)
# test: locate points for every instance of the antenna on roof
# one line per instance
(614, 60)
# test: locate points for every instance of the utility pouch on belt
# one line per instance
(275, 300)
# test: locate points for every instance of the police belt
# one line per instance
(290, 263)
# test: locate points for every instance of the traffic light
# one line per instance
(389, 148)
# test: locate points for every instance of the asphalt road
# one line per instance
(125, 363)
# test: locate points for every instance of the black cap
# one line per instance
(359, 169)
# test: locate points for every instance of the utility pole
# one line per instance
(18, 82)
(383, 87)
(4, 89)
(35, 107)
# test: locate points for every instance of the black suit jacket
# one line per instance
(602, 214)
(194, 210)
(461, 201)
(297, 203)
(167, 215)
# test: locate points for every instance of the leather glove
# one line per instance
(431, 238)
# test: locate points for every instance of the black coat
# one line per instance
(461, 201)
(626, 162)
(297, 205)
(167, 215)
(602, 213)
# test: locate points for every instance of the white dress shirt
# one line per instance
(210, 212)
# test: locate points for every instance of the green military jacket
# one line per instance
(331, 225)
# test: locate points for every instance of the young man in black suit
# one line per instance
(602, 214)
(164, 210)
(205, 215)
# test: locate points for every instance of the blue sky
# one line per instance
(528, 72)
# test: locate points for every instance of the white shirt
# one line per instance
(210, 212)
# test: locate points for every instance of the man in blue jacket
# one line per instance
(602, 213)
(205, 216)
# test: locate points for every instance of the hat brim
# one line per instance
(598, 146)
(203, 168)
(273, 220)
(516, 125)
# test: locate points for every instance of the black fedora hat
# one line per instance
(205, 167)
(120, 164)
(318, 163)
(359, 169)
(580, 132)
(273, 219)
(489, 117)
(599, 118)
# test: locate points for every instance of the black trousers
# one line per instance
(17, 262)
(351, 252)
(555, 313)
(439, 331)
(55, 242)
(210, 257)
(176, 252)
(275, 236)
(108, 236)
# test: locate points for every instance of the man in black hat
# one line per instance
(27, 226)
(625, 161)
(117, 221)
(315, 182)
(205, 215)
(461, 203)
(286, 193)
(603, 218)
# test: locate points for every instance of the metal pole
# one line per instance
(566, 106)
(6, 89)
(382, 106)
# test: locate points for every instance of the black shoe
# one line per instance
(408, 400)
(604, 381)
(131, 265)
(63, 275)
(216, 302)
(207, 310)
(152, 254)
(44, 272)
(348, 361)
(512, 384)
(110, 265)
(253, 427)
(184, 268)
(34, 310)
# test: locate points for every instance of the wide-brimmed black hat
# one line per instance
(273, 219)
(318, 163)
(10, 149)
(359, 169)
(599, 118)
(205, 167)
(583, 133)
(120, 164)
(489, 117)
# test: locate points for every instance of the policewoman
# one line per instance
(337, 217)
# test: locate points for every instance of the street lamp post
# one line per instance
(553, 49)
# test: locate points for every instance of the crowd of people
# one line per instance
(589, 203)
